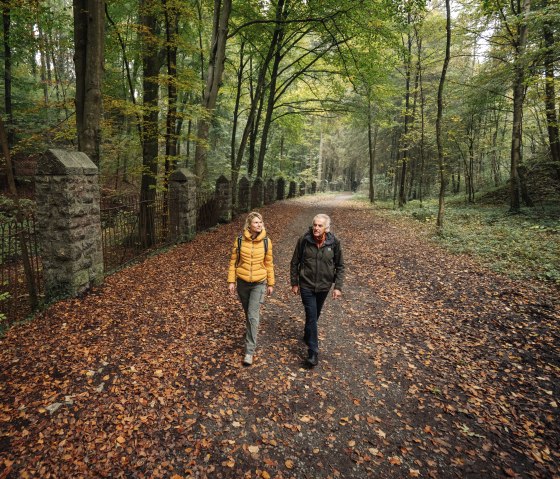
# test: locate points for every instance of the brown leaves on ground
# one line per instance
(429, 367)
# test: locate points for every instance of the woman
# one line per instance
(251, 268)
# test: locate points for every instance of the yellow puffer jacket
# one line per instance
(253, 266)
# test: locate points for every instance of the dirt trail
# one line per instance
(430, 366)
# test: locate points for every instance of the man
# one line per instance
(316, 264)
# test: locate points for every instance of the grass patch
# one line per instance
(523, 246)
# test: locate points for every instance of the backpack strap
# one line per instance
(265, 241)
(239, 240)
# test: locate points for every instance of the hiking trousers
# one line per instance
(313, 304)
(251, 296)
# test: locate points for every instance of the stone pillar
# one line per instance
(182, 205)
(243, 195)
(69, 223)
(223, 199)
(270, 191)
(257, 193)
(280, 189)
(302, 188)
(292, 191)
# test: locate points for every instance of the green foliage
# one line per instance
(525, 246)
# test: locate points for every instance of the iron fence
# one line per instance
(15, 300)
(207, 210)
(131, 228)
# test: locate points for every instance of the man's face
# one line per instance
(318, 227)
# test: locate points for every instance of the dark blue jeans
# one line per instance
(312, 303)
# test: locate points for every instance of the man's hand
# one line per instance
(231, 288)
(336, 293)
(295, 289)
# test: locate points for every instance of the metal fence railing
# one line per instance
(15, 300)
(131, 228)
(207, 210)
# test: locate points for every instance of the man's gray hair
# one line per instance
(325, 218)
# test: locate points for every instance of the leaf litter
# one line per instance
(430, 366)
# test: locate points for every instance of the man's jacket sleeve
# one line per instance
(294, 265)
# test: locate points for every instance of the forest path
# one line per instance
(430, 366)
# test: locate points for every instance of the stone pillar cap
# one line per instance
(64, 163)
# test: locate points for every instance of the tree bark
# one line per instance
(89, 39)
(518, 99)
(406, 141)
(6, 17)
(171, 32)
(151, 64)
(550, 97)
(372, 150)
(222, 10)
(439, 140)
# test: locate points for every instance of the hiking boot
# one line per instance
(248, 359)
(313, 359)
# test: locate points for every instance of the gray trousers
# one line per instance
(251, 296)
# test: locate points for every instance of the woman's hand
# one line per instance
(269, 290)
(231, 288)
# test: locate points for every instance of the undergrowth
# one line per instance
(523, 246)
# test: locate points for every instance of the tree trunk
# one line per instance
(151, 65)
(518, 98)
(372, 147)
(6, 16)
(171, 33)
(402, 185)
(222, 10)
(439, 140)
(550, 97)
(89, 38)
(282, 11)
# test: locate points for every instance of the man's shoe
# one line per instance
(248, 360)
(313, 359)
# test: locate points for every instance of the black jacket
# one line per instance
(320, 267)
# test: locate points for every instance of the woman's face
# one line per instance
(256, 225)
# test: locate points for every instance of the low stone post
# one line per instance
(223, 199)
(292, 191)
(243, 195)
(269, 191)
(280, 189)
(69, 221)
(257, 193)
(182, 205)
(313, 187)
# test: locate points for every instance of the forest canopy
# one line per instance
(357, 92)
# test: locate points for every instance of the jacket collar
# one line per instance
(260, 236)
(329, 239)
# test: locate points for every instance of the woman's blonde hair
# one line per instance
(250, 217)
